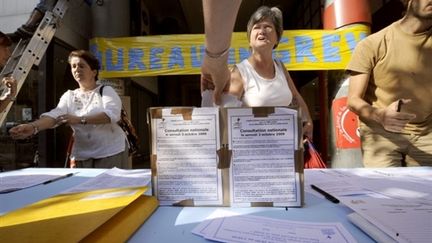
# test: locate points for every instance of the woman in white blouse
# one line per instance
(98, 140)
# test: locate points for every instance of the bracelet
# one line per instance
(35, 128)
(216, 55)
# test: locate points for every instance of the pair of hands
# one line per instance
(392, 119)
(26, 130)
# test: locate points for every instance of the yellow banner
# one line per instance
(182, 54)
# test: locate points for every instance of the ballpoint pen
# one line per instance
(58, 178)
(325, 194)
(399, 105)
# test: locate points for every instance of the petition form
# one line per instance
(263, 158)
(186, 148)
(230, 227)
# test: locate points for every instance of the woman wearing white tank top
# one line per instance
(260, 80)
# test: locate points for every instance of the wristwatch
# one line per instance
(83, 120)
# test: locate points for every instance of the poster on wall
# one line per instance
(346, 125)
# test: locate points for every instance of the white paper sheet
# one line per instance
(212, 222)
(377, 183)
(114, 178)
(248, 228)
(370, 229)
(13, 183)
(263, 159)
(401, 220)
(397, 201)
(187, 158)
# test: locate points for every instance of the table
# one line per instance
(174, 224)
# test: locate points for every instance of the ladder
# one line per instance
(30, 52)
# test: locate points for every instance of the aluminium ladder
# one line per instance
(30, 52)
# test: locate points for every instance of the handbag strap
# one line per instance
(101, 90)
(101, 94)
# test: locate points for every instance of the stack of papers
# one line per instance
(226, 226)
(398, 220)
(389, 204)
(11, 183)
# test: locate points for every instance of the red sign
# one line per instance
(346, 125)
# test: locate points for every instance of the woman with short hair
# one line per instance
(99, 141)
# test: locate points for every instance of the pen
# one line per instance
(58, 178)
(399, 105)
(325, 194)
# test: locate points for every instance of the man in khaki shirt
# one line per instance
(5, 53)
(391, 87)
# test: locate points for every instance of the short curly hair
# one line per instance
(274, 14)
(91, 60)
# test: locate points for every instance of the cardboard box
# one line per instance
(227, 157)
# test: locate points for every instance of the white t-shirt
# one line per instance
(93, 140)
(259, 91)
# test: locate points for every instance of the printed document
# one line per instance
(114, 178)
(186, 149)
(263, 157)
(26, 179)
(401, 220)
(248, 228)
(388, 202)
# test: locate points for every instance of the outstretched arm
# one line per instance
(219, 20)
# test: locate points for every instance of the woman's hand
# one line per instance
(215, 75)
(308, 130)
(23, 131)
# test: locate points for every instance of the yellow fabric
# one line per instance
(182, 54)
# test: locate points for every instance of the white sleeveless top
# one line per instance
(259, 91)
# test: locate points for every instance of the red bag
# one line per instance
(312, 159)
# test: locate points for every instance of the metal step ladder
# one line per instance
(30, 52)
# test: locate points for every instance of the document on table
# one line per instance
(187, 161)
(22, 180)
(401, 220)
(249, 228)
(114, 178)
(263, 159)
(392, 201)
(370, 229)
(378, 183)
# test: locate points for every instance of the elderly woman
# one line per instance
(98, 140)
(261, 80)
